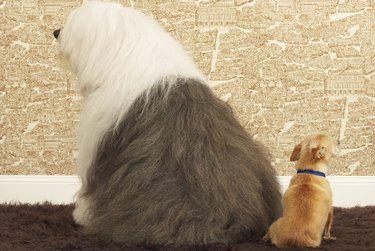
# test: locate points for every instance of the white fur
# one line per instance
(81, 211)
(117, 54)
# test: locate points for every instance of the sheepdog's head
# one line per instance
(105, 42)
(314, 149)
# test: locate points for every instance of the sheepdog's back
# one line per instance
(180, 170)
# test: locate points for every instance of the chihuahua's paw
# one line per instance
(329, 238)
(266, 238)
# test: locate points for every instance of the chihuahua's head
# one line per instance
(314, 149)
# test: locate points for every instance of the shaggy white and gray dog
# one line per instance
(162, 160)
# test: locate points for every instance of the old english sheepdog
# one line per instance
(162, 160)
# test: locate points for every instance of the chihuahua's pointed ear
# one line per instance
(319, 153)
(296, 153)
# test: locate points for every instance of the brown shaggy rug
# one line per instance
(51, 227)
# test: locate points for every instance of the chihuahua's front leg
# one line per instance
(327, 227)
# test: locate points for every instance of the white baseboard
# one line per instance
(348, 191)
(34, 189)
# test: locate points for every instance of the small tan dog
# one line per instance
(307, 203)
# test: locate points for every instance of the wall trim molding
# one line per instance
(348, 191)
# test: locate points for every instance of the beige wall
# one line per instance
(287, 67)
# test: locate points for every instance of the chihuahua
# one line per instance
(307, 203)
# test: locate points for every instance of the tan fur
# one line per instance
(307, 203)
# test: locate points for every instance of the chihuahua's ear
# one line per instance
(296, 153)
(319, 153)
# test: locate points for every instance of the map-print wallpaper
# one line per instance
(288, 68)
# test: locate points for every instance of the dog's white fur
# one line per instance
(126, 67)
(114, 67)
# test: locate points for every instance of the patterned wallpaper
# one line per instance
(287, 67)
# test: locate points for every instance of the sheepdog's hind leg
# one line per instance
(81, 211)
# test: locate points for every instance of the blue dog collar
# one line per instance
(307, 171)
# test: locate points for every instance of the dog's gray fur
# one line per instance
(181, 170)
